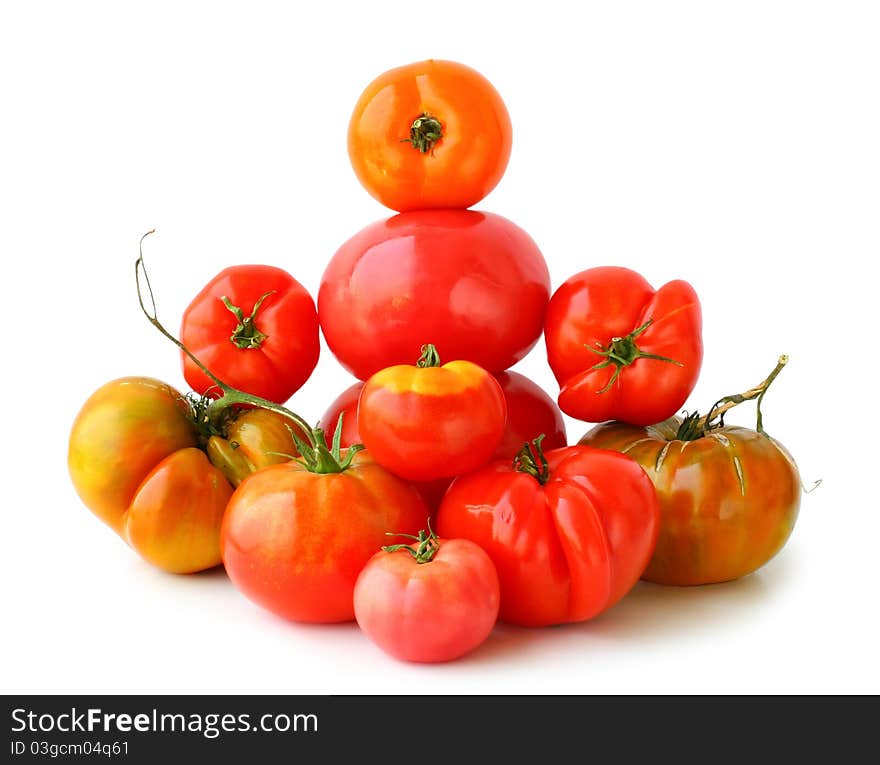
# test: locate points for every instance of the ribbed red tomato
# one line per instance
(569, 534)
(621, 350)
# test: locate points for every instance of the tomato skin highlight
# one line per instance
(567, 550)
(281, 362)
(597, 306)
(294, 542)
(428, 612)
(472, 283)
(459, 169)
(434, 422)
(729, 500)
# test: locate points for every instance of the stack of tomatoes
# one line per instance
(436, 494)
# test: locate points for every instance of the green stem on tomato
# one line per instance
(425, 549)
(623, 351)
(694, 426)
(424, 132)
(246, 335)
(530, 459)
(429, 357)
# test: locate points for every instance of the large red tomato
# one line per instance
(569, 534)
(256, 328)
(295, 536)
(472, 283)
(429, 134)
(622, 350)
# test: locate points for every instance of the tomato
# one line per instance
(530, 413)
(136, 461)
(729, 496)
(432, 601)
(346, 404)
(472, 283)
(255, 327)
(569, 532)
(621, 350)
(427, 421)
(429, 134)
(295, 539)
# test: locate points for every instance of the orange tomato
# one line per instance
(428, 135)
(135, 460)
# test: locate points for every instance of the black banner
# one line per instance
(135, 729)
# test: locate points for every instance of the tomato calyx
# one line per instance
(246, 335)
(429, 357)
(316, 457)
(530, 459)
(424, 132)
(423, 551)
(693, 426)
(623, 351)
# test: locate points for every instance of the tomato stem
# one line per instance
(623, 351)
(246, 335)
(693, 426)
(317, 458)
(429, 357)
(424, 132)
(530, 459)
(425, 549)
(209, 415)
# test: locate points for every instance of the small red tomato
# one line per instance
(621, 350)
(427, 421)
(256, 328)
(429, 602)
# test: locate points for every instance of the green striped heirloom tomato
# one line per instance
(729, 496)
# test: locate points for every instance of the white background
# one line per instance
(736, 145)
